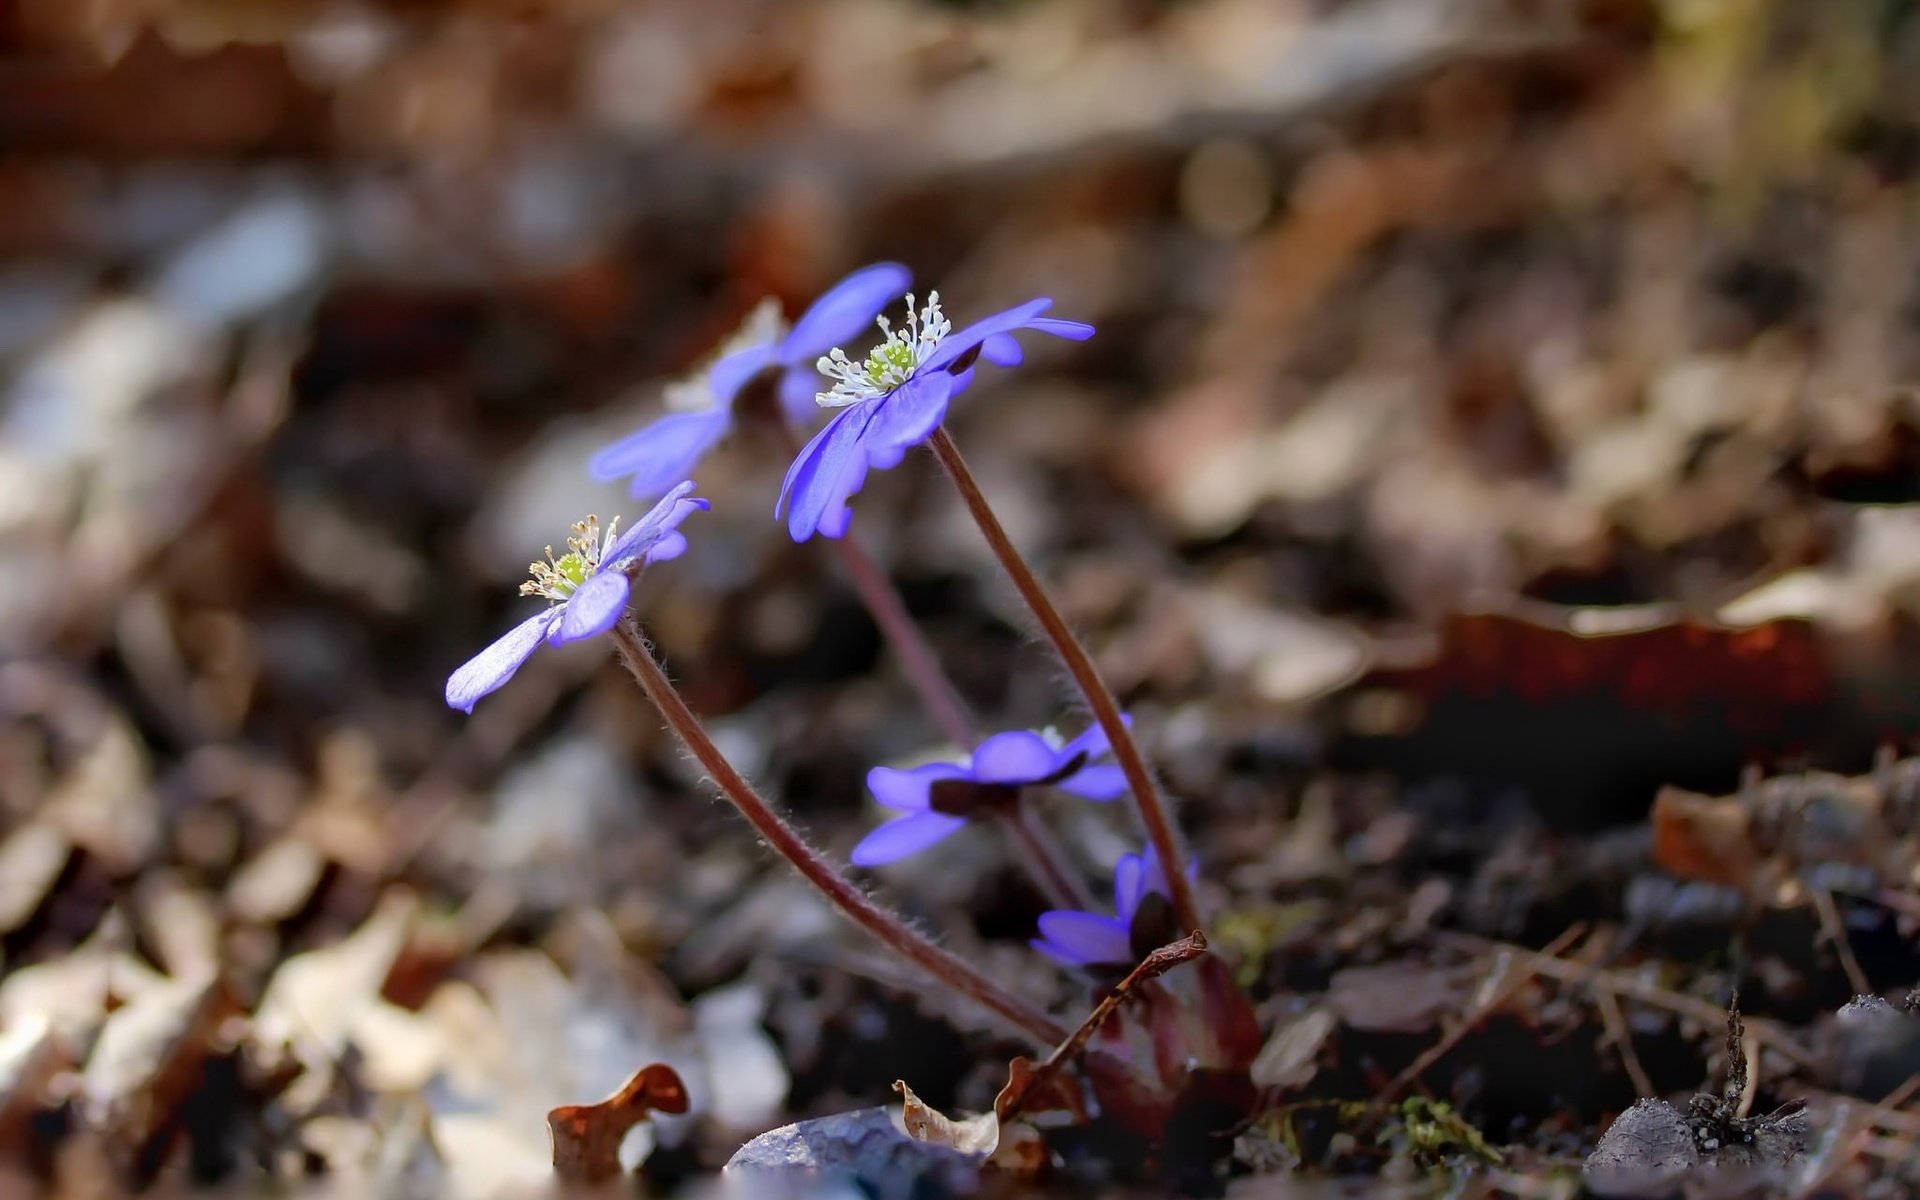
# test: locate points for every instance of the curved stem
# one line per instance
(946, 967)
(1154, 813)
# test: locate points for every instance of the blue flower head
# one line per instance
(938, 798)
(587, 586)
(1084, 939)
(671, 447)
(893, 400)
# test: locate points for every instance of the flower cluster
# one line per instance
(883, 404)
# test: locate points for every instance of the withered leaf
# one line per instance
(587, 1137)
(978, 1135)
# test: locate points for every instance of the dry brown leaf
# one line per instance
(587, 1137)
(978, 1135)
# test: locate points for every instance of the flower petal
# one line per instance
(726, 377)
(1131, 882)
(671, 545)
(487, 670)
(799, 385)
(1013, 757)
(664, 452)
(1101, 782)
(1002, 350)
(663, 518)
(906, 418)
(592, 609)
(1005, 321)
(908, 791)
(844, 311)
(1083, 938)
(1092, 741)
(903, 836)
(817, 484)
(1076, 331)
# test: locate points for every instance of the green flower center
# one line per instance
(890, 362)
(570, 571)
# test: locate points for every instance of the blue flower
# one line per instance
(671, 447)
(1084, 939)
(589, 583)
(939, 797)
(893, 400)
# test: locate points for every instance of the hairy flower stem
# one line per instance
(1154, 813)
(945, 967)
(1033, 844)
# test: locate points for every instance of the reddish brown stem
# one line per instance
(1154, 812)
(946, 967)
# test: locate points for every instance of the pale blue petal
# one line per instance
(730, 374)
(908, 791)
(672, 545)
(1014, 757)
(1076, 331)
(1092, 741)
(1002, 350)
(903, 836)
(799, 393)
(490, 668)
(664, 517)
(815, 491)
(593, 608)
(1084, 939)
(845, 311)
(1101, 782)
(1132, 878)
(1005, 321)
(906, 418)
(663, 453)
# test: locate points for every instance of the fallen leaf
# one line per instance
(587, 1137)
(978, 1135)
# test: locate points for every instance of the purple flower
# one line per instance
(1084, 939)
(671, 447)
(893, 400)
(938, 797)
(590, 582)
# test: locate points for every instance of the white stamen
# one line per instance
(888, 365)
(559, 578)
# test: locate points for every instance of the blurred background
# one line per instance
(1498, 410)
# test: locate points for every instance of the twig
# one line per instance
(1623, 984)
(1621, 1036)
(1488, 1003)
(1834, 931)
(1022, 1084)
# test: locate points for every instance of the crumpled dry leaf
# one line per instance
(978, 1135)
(587, 1137)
